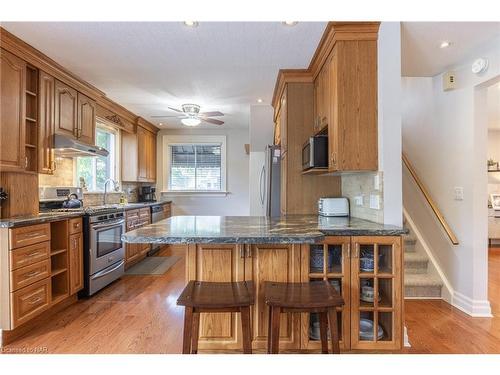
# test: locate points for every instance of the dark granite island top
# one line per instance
(255, 229)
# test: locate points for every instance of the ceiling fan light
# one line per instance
(191, 121)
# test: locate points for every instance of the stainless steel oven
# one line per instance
(105, 252)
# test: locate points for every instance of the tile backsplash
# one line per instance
(63, 175)
(363, 185)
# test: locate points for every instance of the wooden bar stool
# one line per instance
(313, 297)
(209, 297)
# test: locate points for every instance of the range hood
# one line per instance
(70, 148)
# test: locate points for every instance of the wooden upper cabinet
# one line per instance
(283, 123)
(151, 169)
(139, 156)
(66, 110)
(75, 114)
(142, 150)
(46, 110)
(86, 119)
(353, 103)
(129, 159)
(12, 104)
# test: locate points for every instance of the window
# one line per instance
(195, 167)
(96, 170)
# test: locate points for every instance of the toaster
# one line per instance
(333, 206)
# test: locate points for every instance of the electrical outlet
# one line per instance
(375, 201)
(376, 182)
(358, 200)
(459, 193)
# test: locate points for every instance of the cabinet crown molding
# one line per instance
(334, 32)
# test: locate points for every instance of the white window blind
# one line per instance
(195, 167)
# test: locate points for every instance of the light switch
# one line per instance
(459, 193)
(375, 201)
(376, 182)
(358, 200)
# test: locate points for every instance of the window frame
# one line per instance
(115, 159)
(180, 140)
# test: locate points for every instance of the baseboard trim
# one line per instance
(474, 308)
(424, 298)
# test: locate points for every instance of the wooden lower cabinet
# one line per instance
(75, 262)
(330, 261)
(340, 260)
(217, 263)
(279, 263)
(30, 301)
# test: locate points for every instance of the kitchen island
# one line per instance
(363, 261)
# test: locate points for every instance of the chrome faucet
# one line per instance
(115, 183)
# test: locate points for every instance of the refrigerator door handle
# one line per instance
(261, 191)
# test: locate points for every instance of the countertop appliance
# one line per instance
(104, 251)
(270, 181)
(147, 194)
(315, 152)
(333, 206)
(157, 214)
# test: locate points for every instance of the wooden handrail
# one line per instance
(431, 202)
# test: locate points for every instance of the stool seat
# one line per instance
(315, 294)
(215, 297)
(313, 297)
(207, 295)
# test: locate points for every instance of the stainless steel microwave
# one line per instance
(315, 152)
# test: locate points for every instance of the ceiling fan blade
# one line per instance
(177, 116)
(175, 109)
(211, 114)
(212, 121)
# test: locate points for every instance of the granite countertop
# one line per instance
(255, 229)
(46, 217)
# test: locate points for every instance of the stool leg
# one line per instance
(188, 327)
(246, 330)
(323, 328)
(195, 333)
(269, 330)
(334, 332)
(275, 329)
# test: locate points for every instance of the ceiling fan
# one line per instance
(191, 115)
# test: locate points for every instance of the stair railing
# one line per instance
(430, 201)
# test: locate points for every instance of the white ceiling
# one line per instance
(421, 55)
(145, 67)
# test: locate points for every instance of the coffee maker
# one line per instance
(147, 194)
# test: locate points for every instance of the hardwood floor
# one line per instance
(434, 326)
(138, 314)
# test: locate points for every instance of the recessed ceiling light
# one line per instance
(160, 123)
(445, 44)
(290, 23)
(191, 23)
(190, 121)
(259, 100)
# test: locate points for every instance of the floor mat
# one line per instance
(153, 266)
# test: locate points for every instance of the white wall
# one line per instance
(389, 120)
(236, 202)
(445, 138)
(261, 135)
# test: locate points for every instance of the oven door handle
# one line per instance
(105, 272)
(109, 224)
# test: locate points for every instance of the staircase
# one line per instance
(420, 278)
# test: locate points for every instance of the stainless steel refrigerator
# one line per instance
(270, 180)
